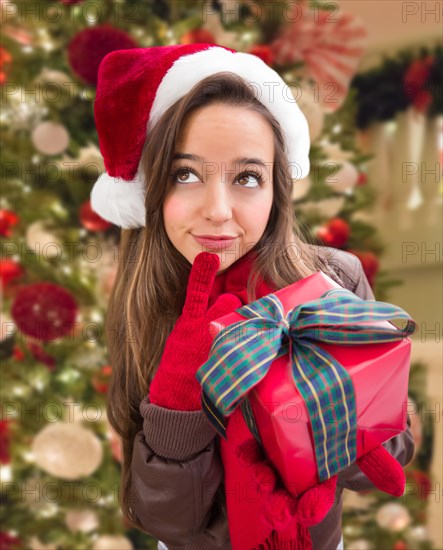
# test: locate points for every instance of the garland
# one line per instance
(408, 80)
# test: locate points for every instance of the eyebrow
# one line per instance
(237, 160)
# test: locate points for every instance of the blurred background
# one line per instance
(368, 76)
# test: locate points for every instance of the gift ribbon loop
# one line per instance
(243, 352)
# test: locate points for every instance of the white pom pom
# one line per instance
(120, 202)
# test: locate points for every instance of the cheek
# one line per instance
(256, 213)
(174, 212)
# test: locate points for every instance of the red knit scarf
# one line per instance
(248, 531)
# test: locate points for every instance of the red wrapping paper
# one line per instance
(379, 372)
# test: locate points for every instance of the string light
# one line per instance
(18, 390)
(5, 473)
(48, 511)
(337, 129)
(28, 456)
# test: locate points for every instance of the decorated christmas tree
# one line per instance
(60, 460)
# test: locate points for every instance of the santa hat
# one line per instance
(136, 86)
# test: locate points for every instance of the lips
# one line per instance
(215, 241)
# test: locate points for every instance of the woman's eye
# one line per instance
(181, 176)
(247, 175)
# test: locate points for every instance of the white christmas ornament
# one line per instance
(393, 517)
(89, 157)
(419, 533)
(345, 178)
(41, 241)
(50, 138)
(327, 208)
(61, 79)
(67, 451)
(81, 520)
(112, 542)
(21, 112)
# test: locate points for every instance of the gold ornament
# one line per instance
(89, 159)
(344, 179)
(393, 517)
(40, 240)
(50, 138)
(81, 520)
(67, 450)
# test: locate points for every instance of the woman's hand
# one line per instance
(281, 508)
(174, 385)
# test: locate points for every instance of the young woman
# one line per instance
(201, 159)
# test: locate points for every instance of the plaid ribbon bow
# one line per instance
(243, 352)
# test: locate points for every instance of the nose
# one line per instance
(217, 202)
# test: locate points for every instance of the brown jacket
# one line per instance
(177, 472)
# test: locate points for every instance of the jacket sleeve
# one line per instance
(401, 446)
(176, 473)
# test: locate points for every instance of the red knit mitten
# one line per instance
(174, 385)
(385, 472)
(281, 508)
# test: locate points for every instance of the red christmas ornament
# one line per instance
(9, 542)
(9, 271)
(100, 380)
(400, 545)
(90, 220)
(197, 36)
(44, 311)
(414, 83)
(324, 235)
(264, 52)
(5, 440)
(88, 47)
(334, 233)
(7, 221)
(369, 262)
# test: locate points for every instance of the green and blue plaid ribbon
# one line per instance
(243, 352)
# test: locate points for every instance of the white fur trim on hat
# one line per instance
(120, 202)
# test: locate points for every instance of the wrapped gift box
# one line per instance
(379, 374)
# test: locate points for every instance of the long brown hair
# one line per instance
(149, 290)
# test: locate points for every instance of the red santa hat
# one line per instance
(136, 86)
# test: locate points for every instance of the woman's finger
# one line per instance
(201, 279)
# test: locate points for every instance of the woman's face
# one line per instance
(213, 191)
